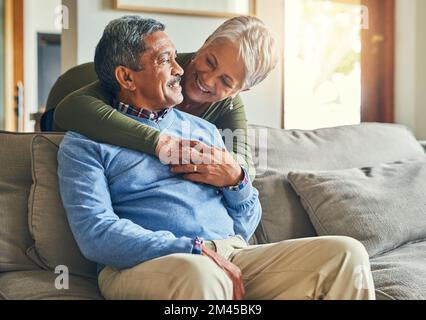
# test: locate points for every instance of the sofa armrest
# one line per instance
(423, 143)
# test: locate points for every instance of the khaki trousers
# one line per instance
(333, 268)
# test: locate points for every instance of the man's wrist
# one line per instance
(238, 177)
(198, 244)
(241, 182)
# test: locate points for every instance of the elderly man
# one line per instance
(156, 235)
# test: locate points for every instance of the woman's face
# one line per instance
(216, 73)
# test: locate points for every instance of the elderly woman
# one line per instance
(236, 57)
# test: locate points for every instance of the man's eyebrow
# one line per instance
(166, 52)
(163, 53)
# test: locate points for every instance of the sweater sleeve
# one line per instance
(101, 235)
(87, 111)
(243, 206)
(235, 122)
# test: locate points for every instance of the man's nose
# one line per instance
(177, 69)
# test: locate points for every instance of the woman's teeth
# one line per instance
(201, 87)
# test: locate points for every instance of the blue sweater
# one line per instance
(125, 207)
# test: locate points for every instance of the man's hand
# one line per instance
(233, 272)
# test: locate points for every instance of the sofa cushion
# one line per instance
(40, 285)
(401, 273)
(15, 183)
(54, 242)
(384, 206)
(423, 144)
(276, 152)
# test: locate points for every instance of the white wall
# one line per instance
(39, 16)
(410, 85)
(264, 102)
(88, 18)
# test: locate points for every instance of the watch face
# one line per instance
(235, 188)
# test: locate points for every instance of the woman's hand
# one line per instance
(199, 162)
(209, 165)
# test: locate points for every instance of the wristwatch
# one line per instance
(198, 245)
(240, 184)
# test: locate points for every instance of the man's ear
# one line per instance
(125, 78)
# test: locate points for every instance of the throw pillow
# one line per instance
(54, 242)
(383, 206)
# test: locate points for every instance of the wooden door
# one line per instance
(14, 65)
(378, 62)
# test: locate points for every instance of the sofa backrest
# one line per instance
(54, 243)
(423, 144)
(15, 184)
(34, 231)
(277, 152)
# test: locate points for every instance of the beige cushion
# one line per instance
(383, 206)
(15, 183)
(277, 152)
(54, 242)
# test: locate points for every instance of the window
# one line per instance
(331, 75)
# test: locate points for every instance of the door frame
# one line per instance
(14, 62)
(378, 63)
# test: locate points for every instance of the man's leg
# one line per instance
(174, 277)
(314, 268)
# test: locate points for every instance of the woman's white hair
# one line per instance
(257, 46)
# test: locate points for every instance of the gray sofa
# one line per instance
(35, 238)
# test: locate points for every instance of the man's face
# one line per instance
(158, 83)
(217, 72)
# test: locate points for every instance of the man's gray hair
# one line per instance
(121, 45)
(256, 44)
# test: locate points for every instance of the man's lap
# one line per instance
(291, 260)
(161, 278)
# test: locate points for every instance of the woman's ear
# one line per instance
(125, 78)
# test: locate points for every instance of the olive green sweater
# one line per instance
(88, 111)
